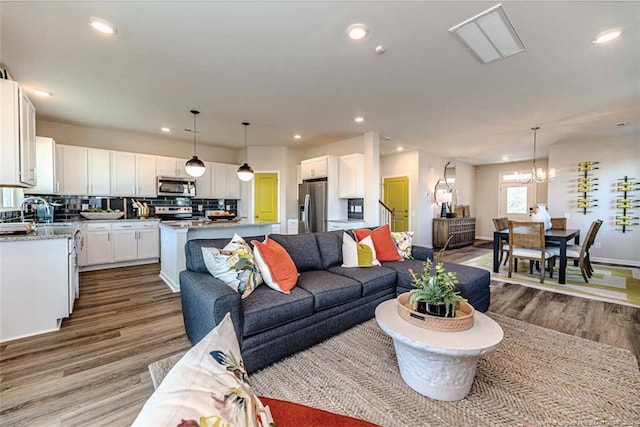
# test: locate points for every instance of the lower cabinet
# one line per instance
(117, 243)
(344, 225)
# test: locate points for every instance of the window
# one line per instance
(517, 200)
(10, 198)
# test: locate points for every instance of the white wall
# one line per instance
(133, 142)
(340, 148)
(618, 156)
(487, 189)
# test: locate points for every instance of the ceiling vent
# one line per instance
(489, 36)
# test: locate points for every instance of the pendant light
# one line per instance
(195, 166)
(537, 175)
(245, 172)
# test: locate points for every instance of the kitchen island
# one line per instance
(38, 279)
(175, 234)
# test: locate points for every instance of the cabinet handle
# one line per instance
(125, 226)
(109, 236)
(57, 186)
(134, 189)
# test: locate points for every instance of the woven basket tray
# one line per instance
(461, 322)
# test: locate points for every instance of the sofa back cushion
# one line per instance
(302, 248)
(330, 246)
(193, 251)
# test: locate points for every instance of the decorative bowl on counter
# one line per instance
(221, 217)
(102, 215)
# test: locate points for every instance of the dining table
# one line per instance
(554, 236)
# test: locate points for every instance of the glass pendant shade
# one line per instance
(194, 167)
(245, 172)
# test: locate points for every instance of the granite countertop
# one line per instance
(345, 220)
(61, 230)
(180, 224)
(118, 220)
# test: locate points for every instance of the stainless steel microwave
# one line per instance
(179, 187)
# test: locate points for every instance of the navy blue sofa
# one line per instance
(327, 299)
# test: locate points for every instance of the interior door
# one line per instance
(265, 196)
(396, 195)
(515, 200)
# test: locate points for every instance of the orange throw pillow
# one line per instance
(290, 414)
(275, 264)
(383, 242)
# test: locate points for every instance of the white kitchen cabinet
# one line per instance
(97, 247)
(351, 176)
(233, 182)
(204, 189)
(171, 167)
(17, 136)
(82, 170)
(133, 240)
(316, 167)
(46, 181)
(220, 181)
(133, 174)
(110, 244)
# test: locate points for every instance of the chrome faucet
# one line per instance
(34, 199)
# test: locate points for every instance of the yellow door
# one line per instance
(266, 196)
(396, 195)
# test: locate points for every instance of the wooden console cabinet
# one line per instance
(461, 230)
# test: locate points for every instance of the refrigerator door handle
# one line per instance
(305, 217)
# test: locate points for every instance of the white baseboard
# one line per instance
(625, 262)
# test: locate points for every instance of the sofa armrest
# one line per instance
(205, 302)
(421, 252)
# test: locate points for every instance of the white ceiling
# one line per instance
(287, 67)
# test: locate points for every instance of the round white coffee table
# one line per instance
(439, 365)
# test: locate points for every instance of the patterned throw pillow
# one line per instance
(403, 239)
(234, 265)
(209, 386)
(361, 254)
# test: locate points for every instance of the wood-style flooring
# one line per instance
(94, 370)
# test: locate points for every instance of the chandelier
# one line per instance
(537, 175)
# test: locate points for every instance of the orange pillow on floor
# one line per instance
(383, 242)
(289, 414)
(276, 266)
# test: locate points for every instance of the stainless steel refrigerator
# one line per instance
(312, 206)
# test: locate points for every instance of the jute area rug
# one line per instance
(536, 377)
(617, 284)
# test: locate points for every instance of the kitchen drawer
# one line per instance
(124, 226)
(98, 226)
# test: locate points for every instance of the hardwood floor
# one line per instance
(94, 370)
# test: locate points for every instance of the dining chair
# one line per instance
(526, 241)
(502, 223)
(559, 223)
(581, 252)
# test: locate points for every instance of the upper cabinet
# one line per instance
(220, 181)
(171, 167)
(133, 174)
(314, 168)
(351, 176)
(82, 170)
(46, 180)
(17, 136)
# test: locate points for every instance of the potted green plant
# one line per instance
(434, 292)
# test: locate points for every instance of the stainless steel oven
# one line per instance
(179, 187)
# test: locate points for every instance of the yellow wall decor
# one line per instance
(626, 202)
(587, 184)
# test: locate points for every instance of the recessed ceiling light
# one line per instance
(505, 158)
(42, 92)
(102, 26)
(399, 148)
(607, 36)
(357, 31)
(165, 129)
(297, 136)
(359, 119)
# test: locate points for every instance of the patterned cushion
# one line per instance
(208, 386)
(402, 240)
(234, 265)
(361, 254)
